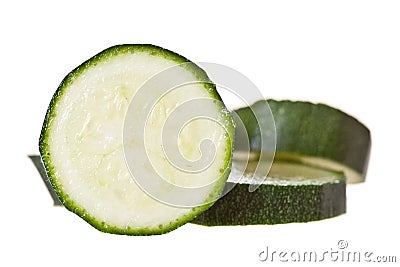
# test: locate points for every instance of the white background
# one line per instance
(342, 53)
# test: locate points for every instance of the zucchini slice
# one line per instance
(87, 146)
(315, 134)
(292, 192)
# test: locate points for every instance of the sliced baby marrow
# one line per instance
(315, 134)
(85, 140)
(292, 192)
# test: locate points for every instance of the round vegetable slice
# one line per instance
(82, 143)
(292, 192)
(314, 134)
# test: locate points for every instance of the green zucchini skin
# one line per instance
(46, 156)
(304, 129)
(277, 204)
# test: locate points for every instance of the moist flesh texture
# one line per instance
(82, 148)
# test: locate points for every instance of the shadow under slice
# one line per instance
(37, 161)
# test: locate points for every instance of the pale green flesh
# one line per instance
(282, 173)
(317, 162)
(352, 176)
(85, 143)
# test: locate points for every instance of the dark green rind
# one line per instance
(70, 204)
(277, 204)
(313, 130)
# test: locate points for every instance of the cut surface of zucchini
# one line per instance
(83, 144)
